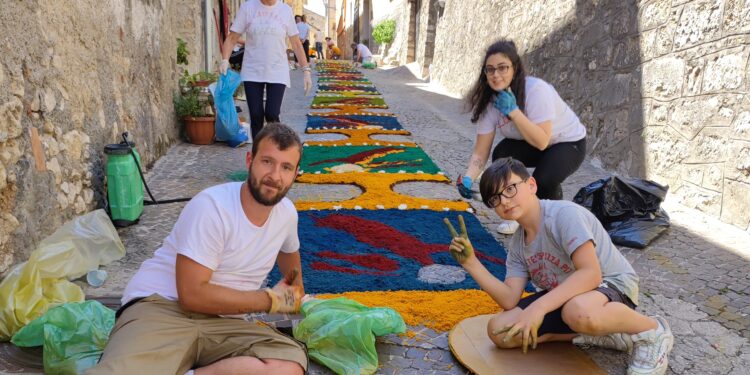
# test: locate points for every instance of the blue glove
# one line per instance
(506, 102)
(464, 186)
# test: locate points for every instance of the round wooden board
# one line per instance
(470, 345)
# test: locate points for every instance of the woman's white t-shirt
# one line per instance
(267, 29)
(214, 231)
(543, 103)
(363, 51)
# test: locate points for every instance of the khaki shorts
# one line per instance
(155, 336)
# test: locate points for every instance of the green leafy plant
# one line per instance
(188, 104)
(200, 78)
(206, 76)
(182, 52)
(384, 32)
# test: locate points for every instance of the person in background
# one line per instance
(536, 126)
(319, 44)
(183, 310)
(304, 35)
(334, 52)
(267, 24)
(361, 54)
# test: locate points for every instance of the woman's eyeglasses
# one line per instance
(509, 192)
(490, 70)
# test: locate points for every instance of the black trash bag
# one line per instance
(628, 208)
(236, 58)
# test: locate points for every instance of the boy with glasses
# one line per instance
(588, 289)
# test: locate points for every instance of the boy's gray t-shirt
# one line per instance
(547, 260)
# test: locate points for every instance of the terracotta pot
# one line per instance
(202, 83)
(200, 130)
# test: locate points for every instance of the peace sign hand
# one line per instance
(460, 247)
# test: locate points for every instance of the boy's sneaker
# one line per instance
(507, 227)
(616, 341)
(651, 350)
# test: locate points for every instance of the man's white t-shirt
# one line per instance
(319, 37)
(214, 231)
(363, 51)
(267, 29)
(304, 30)
(543, 103)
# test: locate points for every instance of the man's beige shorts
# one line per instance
(154, 336)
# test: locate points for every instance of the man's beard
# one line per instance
(254, 186)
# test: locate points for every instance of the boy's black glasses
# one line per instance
(510, 191)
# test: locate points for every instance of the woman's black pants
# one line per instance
(258, 111)
(552, 166)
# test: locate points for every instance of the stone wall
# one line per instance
(425, 34)
(396, 52)
(662, 86)
(188, 25)
(80, 74)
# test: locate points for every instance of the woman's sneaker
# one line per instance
(651, 350)
(616, 341)
(507, 227)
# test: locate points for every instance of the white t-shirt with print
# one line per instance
(543, 103)
(266, 30)
(214, 231)
(548, 259)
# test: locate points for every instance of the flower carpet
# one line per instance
(339, 100)
(322, 121)
(336, 88)
(382, 248)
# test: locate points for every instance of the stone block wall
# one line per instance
(425, 34)
(662, 86)
(187, 24)
(396, 51)
(80, 74)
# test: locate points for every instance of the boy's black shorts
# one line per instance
(553, 322)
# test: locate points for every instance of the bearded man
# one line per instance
(182, 311)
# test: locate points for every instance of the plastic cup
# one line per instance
(96, 278)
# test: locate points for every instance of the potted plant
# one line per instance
(200, 79)
(197, 114)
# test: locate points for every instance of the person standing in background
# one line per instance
(267, 25)
(319, 37)
(304, 34)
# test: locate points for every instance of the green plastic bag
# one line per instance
(340, 333)
(73, 336)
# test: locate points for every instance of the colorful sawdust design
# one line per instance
(439, 310)
(359, 137)
(353, 122)
(350, 110)
(370, 90)
(339, 101)
(364, 250)
(378, 192)
(333, 80)
(383, 248)
(374, 159)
